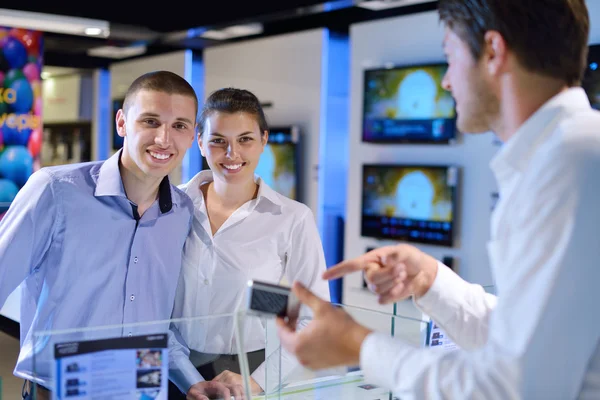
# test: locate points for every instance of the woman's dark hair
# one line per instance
(232, 100)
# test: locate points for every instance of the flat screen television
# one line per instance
(279, 163)
(411, 203)
(407, 104)
(591, 79)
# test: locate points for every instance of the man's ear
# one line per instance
(495, 52)
(120, 121)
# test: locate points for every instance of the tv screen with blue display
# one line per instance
(591, 79)
(408, 105)
(411, 203)
(278, 166)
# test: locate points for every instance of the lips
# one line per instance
(233, 167)
(160, 156)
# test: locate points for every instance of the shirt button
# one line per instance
(130, 334)
(206, 281)
(132, 298)
(135, 259)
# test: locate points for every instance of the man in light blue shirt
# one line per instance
(100, 243)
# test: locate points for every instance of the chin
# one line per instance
(472, 127)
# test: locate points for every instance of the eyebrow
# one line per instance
(154, 115)
(241, 134)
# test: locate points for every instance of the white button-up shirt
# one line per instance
(270, 239)
(539, 339)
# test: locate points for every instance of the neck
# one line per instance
(230, 195)
(520, 97)
(141, 190)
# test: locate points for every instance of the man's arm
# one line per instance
(26, 231)
(460, 308)
(181, 370)
(543, 333)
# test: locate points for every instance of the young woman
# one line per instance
(242, 230)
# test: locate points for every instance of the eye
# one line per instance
(246, 139)
(217, 141)
(152, 122)
(180, 126)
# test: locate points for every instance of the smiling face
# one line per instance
(158, 129)
(468, 81)
(232, 144)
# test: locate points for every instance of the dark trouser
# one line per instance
(222, 363)
(39, 393)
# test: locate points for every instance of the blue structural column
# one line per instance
(333, 150)
(102, 116)
(194, 74)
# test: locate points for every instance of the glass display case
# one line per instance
(137, 361)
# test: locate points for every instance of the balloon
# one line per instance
(27, 38)
(31, 72)
(15, 52)
(4, 66)
(18, 33)
(13, 75)
(35, 143)
(38, 105)
(1, 139)
(24, 96)
(15, 130)
(36, 86)
(8, 191)
(1, 78)
(16, 164)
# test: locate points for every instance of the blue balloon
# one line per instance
(15, 131)
(23, 96)
(8, 191)
(15, 53)
(16, 164)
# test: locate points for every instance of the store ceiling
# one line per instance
(177, 25)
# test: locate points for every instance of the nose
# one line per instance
(232, 150)
(163, 136)
(446, 82)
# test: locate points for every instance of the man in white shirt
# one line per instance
(514, 68)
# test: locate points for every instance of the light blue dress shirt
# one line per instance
(72, 239)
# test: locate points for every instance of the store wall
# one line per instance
(285, 71)
(405, 40)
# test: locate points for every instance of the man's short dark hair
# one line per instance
(160, 81)
(548, 36)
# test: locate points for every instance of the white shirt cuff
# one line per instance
(432, 299)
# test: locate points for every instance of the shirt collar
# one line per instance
(110, 183)
(518, 150)
(192, 188)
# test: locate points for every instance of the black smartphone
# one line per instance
(267, 299)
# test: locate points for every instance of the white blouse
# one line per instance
(270, 238)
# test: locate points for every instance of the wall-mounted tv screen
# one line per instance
(408, 105)
(279, 163)
(411, 203)
(591, 79)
